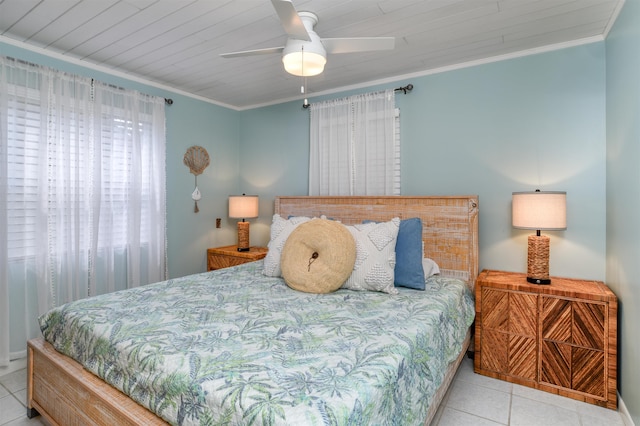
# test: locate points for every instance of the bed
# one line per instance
(68, 392)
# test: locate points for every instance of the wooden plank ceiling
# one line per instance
(176, 43)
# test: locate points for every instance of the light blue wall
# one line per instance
(189, 234)
(274, 159)
(526, 123)
(623, 194)
(188, 122)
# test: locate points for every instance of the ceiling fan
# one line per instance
(305, 53)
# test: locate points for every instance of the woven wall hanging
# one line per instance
(197, 159)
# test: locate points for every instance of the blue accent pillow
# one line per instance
(408, 271)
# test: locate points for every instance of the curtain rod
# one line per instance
(404, 89)
(22, 61)
(167, 101)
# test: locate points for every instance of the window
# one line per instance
(82, 193)
(355, 146)
(68, 162)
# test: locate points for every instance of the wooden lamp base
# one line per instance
(538, 259)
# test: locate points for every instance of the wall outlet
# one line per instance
(218, 220)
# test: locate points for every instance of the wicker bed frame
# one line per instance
(64, 393)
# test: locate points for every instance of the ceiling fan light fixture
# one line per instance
(304, 58)
(313, 63)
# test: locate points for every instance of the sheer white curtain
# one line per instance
(82, 194)
(354, 146)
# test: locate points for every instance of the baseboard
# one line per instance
(624, 413)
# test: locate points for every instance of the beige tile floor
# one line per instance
(13, 395)
(472, 400)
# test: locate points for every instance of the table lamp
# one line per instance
(539, 210)
(243, 207)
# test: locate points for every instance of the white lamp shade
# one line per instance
(243, 206)
(540, 210)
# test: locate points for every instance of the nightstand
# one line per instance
(223, 257)
(560, 338)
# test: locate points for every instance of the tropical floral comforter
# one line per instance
(235, 347)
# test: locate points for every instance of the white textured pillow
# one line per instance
(430, 267)
(375, 256)
(280, 231)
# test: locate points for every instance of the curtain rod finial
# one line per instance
(405, 89)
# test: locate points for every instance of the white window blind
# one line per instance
(72, 164)
(396, 154)
(23, 162)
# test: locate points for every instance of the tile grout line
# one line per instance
(510, 406)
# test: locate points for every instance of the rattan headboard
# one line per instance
(450, 223)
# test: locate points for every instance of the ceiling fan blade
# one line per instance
(268, 50)
(290, 19)
(358, 44)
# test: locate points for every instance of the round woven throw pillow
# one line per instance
(318, 256)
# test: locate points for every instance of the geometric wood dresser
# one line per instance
(560, 338)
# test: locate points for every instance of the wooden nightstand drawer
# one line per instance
(224, 257)
(560, 338)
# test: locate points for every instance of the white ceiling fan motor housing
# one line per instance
(305, 58)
